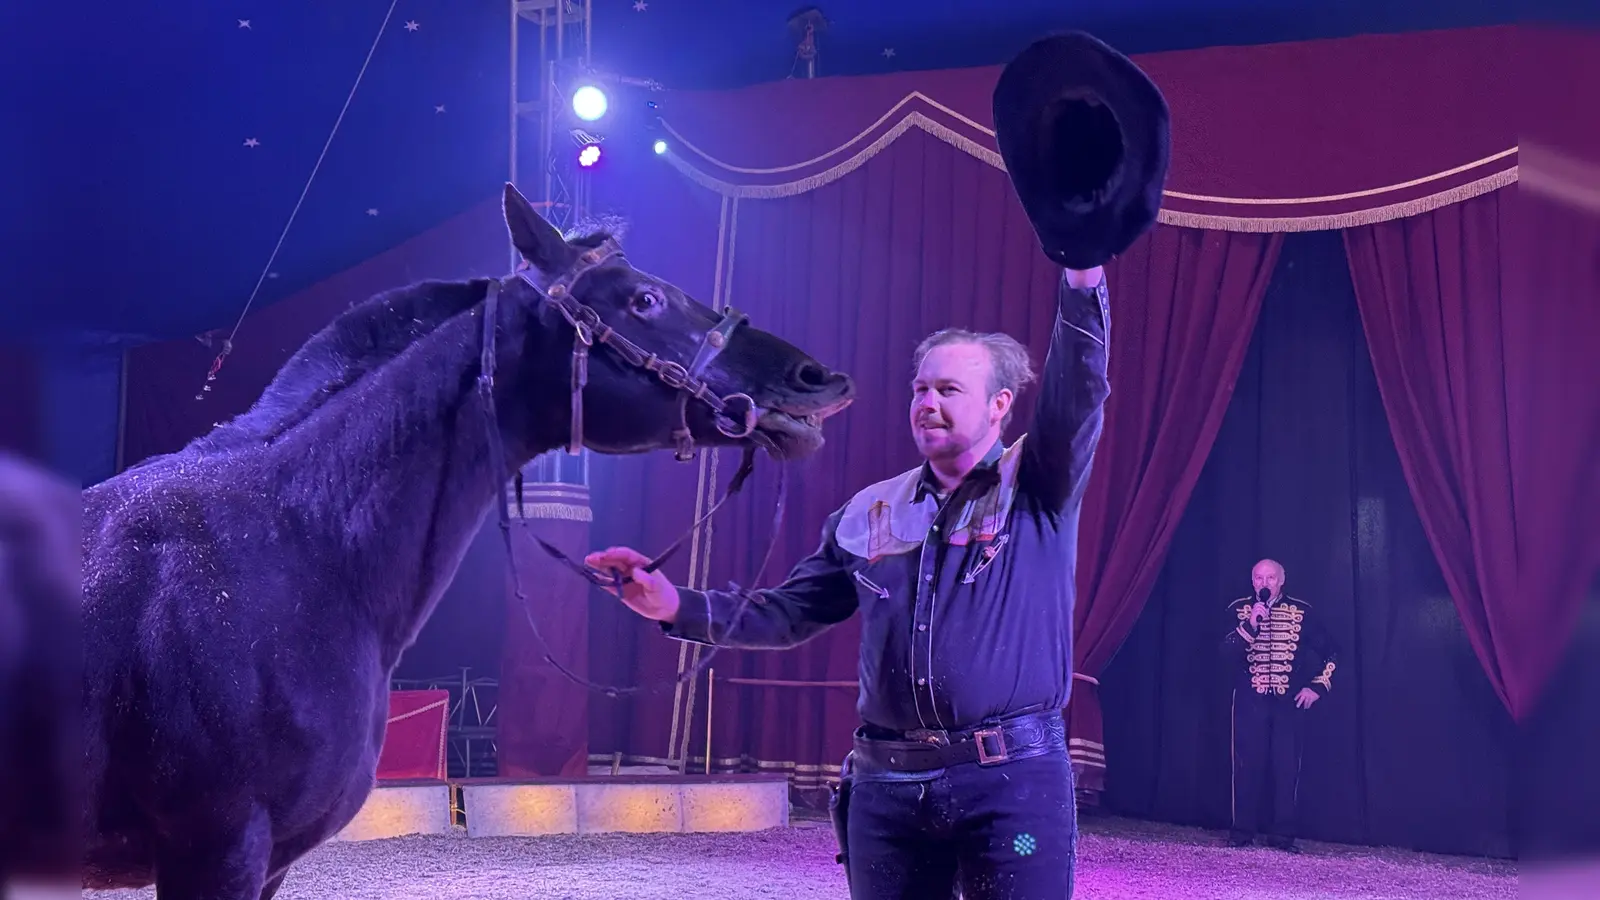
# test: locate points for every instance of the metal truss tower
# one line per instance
(544, 146)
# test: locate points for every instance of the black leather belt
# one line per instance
(1028, 735)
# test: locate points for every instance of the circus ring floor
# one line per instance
(1118, 860)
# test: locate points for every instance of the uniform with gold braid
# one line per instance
(1273, 661)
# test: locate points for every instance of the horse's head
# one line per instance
(661, 361)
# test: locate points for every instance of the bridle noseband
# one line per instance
(734, 415)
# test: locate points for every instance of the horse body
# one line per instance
(248, 597)
(247, 609)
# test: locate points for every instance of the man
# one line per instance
(1283, 662)
(962, 568)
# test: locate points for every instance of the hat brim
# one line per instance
(1085, 136)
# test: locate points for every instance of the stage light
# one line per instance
(589, 103)
(589, 155)
(660, 147)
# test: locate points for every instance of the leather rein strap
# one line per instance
(735, 416)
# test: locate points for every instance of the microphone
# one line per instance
(1261, 600)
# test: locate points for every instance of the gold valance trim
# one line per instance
(851, 142)
(1334, 221)
(1351, 195)
(917, 119)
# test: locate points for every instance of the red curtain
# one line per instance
(1184, 304)
(414, 736)
(543, 717)
(1484, 357)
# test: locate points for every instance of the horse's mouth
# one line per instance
(797, 435)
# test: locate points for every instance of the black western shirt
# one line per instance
(966, 602)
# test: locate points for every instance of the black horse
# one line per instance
(247, 598)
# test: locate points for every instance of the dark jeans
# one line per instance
(1004, 831)
(1268, 738)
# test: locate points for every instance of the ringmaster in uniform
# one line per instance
(962, 569)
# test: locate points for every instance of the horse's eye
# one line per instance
(647, 301)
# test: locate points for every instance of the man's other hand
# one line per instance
(1305, 698)
(650, 594)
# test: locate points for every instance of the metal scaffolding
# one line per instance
(564, 33)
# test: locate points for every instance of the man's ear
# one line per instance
(1001, 402)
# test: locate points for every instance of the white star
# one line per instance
(372, 212)
(251, 142)
(272, 274)
(412, 25)
(888, 52)
(438, 108)
(640, 6)
(244, 23)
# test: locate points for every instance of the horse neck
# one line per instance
(397, 475)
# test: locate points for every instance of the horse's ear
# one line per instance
(537, 240)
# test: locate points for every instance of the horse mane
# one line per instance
(358, 342)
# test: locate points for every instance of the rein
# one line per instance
(735, 416)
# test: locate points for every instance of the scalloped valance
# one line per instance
(1287, 137)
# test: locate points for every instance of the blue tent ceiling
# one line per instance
(162, 148)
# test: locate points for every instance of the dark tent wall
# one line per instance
(1411, 748)
(21, 430)
(60, 405)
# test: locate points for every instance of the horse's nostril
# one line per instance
(809, 375)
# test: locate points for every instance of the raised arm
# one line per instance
(1072, 394)
(1243, 631)
(818, 594)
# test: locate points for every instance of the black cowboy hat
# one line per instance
(1085, 138)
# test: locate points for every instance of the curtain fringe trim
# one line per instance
(1256, 224)
(1335, 221)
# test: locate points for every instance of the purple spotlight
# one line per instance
(589, 155)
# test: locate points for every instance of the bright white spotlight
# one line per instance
(589, 155)
(589, 103)
(660, 147)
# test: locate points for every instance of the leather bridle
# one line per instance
(735, 416)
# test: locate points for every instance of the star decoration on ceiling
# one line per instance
(888, 53)
(372, 212)
(251, 142)
(412, 25)
(438, 107)
(244, 23)
(640, 5)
